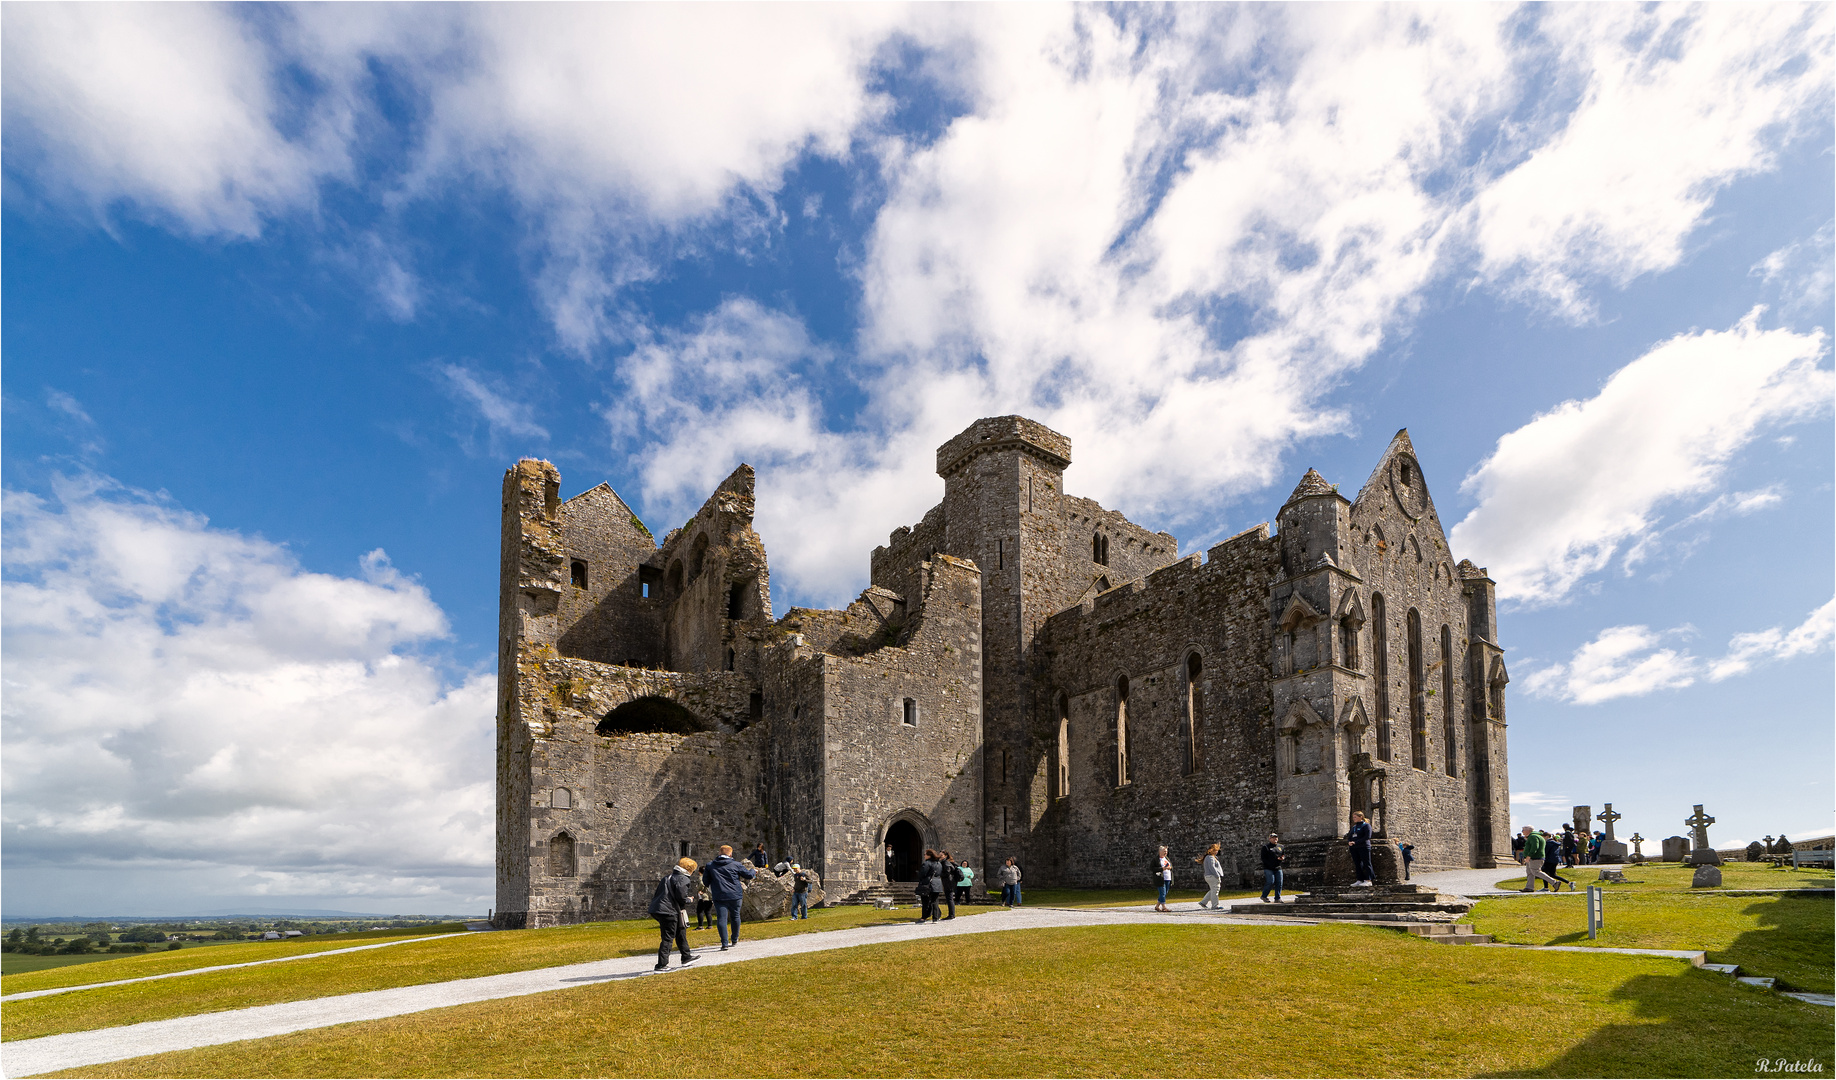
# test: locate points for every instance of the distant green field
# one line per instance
(159, 961)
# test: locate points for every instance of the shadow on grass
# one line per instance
(1794, 943)
(1748, 1026)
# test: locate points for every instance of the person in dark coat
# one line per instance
(1359, 840)
(1408, 856)
(669, 906)
(758, 857)
(930, 884)
(1273, 859)
(950, 876)
(800, 892)
(725, 877)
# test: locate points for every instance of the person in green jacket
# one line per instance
(1535, 847)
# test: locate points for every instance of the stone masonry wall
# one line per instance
(1145, 631)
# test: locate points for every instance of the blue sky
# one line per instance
(286, 289)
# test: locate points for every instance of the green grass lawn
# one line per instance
(410, 964)
(1791, 938)
(1205, 1000)
(1659, 877)
(104, 967)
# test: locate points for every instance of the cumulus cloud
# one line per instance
(1631, 661)
(1676, 101)
(171, 110)
(190, 712)
(1561, 495)
(1166, 232)
(1813, 635)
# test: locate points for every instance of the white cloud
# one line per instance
(1812, 635)
(1631, 661)
(1804, 272)
(171, 108)
(1560, 495)
(504, 415)
(1678, 100)
(1622, 661)
(190, 710)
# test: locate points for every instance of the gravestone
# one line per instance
(1707, 877)
(1613, 875)
(1755, 851)
(1611, 849)
(1676, 849)
(1638, 848)
(1702, 853)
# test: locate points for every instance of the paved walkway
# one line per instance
(29, 1057)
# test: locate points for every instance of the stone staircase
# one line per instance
(1414, 909)
(900, 893)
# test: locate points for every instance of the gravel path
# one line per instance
(29, 1057)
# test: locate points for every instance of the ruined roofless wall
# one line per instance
(1146, 632)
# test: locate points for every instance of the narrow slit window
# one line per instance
(650, 582)
(729, 659)
(682, 848)
(908, 712)
(1122, 731)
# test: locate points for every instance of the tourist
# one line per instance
(1010, 883)
(1359, 841)
(1570, 846)
(704, 908)
(800, 892)
(1408, 856)
(1163, 876)
(1517, 848)
(1019, 881)
(1534, 848)
(725, 877)
(1273, 859)
(669, 906)
(965, 881)
(1214, 875)
(1550, 843)
(930, 883)
(758, 857)
(949, 883)
(783, 867)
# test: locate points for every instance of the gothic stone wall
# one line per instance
(632, 799)
(1105, 834)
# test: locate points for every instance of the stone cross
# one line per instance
(1700, 822)
(1609, 817)
(1636, 849)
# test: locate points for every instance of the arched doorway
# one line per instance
(904, 851)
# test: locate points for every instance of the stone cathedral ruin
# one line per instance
(1028, 674)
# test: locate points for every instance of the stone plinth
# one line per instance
(1613, 875)
(1676, 849)
(1386, 863)
(1704, 856)
(1611, 851)
(1707, 877)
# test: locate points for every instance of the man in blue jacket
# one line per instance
(725, 877)
(1359, 840)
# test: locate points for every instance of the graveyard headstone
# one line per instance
(1676, 849)
(1702, 853)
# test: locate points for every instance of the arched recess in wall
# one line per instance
(1122, 731)
(652, 714)
(698, 556)
(1192, 748)
(1064, 746)
(561, 856)
(673, 584)
(906, 835)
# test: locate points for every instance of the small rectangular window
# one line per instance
(909, 715)
(578, 571)
(650, 582)
(682, 848)
(1000, 554)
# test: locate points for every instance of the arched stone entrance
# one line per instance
(906, 837)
